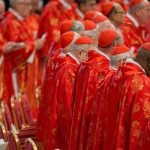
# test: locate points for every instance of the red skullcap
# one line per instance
(66, 26)
(68, 38)
(107, 37)
(107, 8)
(95, 16)
(120, 49)
(84, 40)
(89, 25)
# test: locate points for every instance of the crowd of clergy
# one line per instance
(84, 66)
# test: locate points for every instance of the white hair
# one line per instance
(77, 26)
(85, 47)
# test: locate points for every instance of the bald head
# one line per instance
(143, 58)
(77, 27)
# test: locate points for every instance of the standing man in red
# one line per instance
(59, 107)
(104, 117)
(55, 53)
(2, 12)
(132, 103)
(14, 29)
(89, 74)
(52, 15)
(137, 16)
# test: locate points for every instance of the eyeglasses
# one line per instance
(84, 51)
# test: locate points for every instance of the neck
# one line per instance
(74, 53)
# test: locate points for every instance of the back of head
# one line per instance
(90, 30)
(101, 21)
(67, 40)
(71, 25)
(143, 57)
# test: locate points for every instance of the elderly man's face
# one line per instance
(23, 7)
(118, 15)
(144, 13)
(88, 6)
(2, 10)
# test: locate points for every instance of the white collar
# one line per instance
(72, 56)
(133, 19)
(16, 14)
(81, 15)
(65, 4)
(101, 53)
(133, 62)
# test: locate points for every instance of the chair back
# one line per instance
(17, 113)
(3, 132)
(23, 99)
(30, 145)
(6, 116)
(14, 143)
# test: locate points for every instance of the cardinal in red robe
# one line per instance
(52, 62)
(52, 15)
(133, 30)
(106, 106)
(129, 110)
(14, 62)
(95, 69)
(60, 105)
(55, 53)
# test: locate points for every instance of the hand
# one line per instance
(12, 46)
(20, 45)
(40, 43)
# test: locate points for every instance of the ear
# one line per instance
(138, 12)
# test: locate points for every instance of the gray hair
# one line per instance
(83, 46)
(77, 26)
(133, 9)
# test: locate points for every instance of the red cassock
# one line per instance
(58, 109)
(54, 12)
(144, 142)
(53, 58)
(132, 34)
(34, 71)
(89, 74)
(11, 28)
(122, 115)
